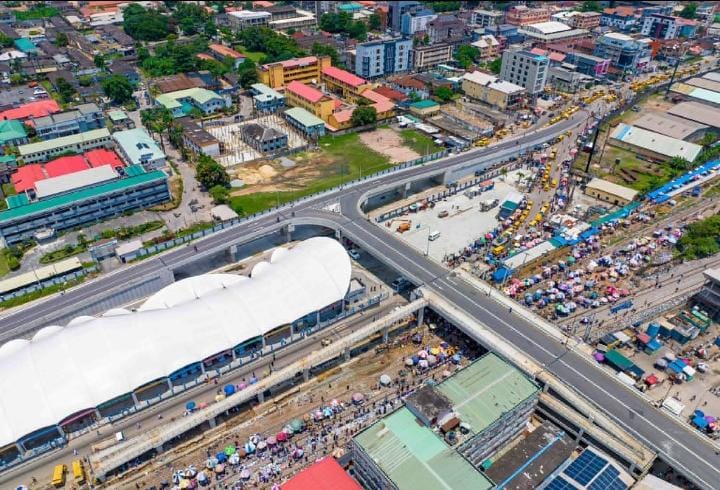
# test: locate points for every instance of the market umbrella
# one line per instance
(229, 450)
(435, 351)
(234, 459)
(298, 453)
(219, 468)
(327, 412)
(358, 397)
(385, 380)
(184, 483)
(220, 397)
(202, 477)
(297, 425)
(281, 436)
(221, 457)
(241, 452)
(191, 471)
(288, 431)
(423, 363)
(261, 445)
(446, 374)
(318, 415)
(202, 405)
(455, 358)
(249, 448)
(431, 359)
(334, 403)
(422, 354)
(211, 463)
(409, 362)
(242, 386)
(444, 345)
(229, 389)
(245, 474)
(190, 405)
(271, 441)
(253, 380)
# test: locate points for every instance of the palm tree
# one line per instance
(503, 172)
(519, 176)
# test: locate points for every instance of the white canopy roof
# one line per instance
(63, 370)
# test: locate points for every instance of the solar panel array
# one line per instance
(585, 467)
(609, 479)
(560, 483)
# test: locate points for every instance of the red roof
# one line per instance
(204, 56)
(307, 60)
(391, 94)
(343, 76)
(559, 57)
(305, 91)
(326, 474)
(538, 51)
(65, 165)
(225, 51)
(25, 177)
(40, 108)
(101, 156)
(652, 379)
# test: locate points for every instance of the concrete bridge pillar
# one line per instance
(306, 374)
(338, 235)
(420, 316)
(288, 232)
(385, 334)
(233, 253)
(261, 397)
(213, 422)
(346, 354)
(160, 448)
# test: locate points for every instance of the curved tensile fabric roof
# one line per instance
(63, 370)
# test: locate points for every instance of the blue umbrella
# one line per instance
(190, 405)
(456, 358)
(229, 390)
(221, 457)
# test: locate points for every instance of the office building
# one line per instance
(622, 18)
(263, 138)
(588, 64)
(486, 18)
(566, 79)
(84, 198)
(78, 143)
(397, 9)
(492, 91)
(383, 57)
(446, 29)
(525, 69)
(82, 118)
(425, 57)
(625, 53)
(138, 148)
(413, 22)
(242, 19)
(305, 70)
(266, 99)
(520, 15)
(197, 140)
(182, 102)
(659, 26)
(308, 124)
(300, 19)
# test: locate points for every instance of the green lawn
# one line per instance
(4, 267)
(36, 12)
(646, 180)
(345, 158)
(419, 142)
(256, 56)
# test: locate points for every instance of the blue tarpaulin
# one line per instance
(653, 345)
(501, 274)
(229, 389)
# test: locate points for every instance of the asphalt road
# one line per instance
(688, 452)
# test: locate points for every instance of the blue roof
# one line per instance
(25, 45)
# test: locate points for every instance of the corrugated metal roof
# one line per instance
(74, 180)
(94, 134)
(656, 142)
(413, 456)
(39, 274)
(612, 188)
(304, 117)
(343, 76)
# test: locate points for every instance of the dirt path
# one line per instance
(390, 143)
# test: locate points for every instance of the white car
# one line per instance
(39, 91)
(354, 254)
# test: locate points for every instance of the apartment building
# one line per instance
(585, 20)
(446, 29)
(493, 91)
(397, 9)
(343, 82)
(521, 15)
(525, 69)
(383, 57)
(243, 19)
(78, 143)
(266, 99)
(425, 57)
(413, 22)
(197, 140)
(622, 18)
(82, 118)
(624, 52)
(665, 27)
(304, 70)
(486, 18)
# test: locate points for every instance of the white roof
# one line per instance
(612, 188)
(75, 180)
(39, 274)
(248, 14)
(493, 82)
(63, 370)
(619, 36)
(550, 27)
(656, 142)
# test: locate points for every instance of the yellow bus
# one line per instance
(78, 472)
(58, 479)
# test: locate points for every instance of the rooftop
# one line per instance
(305, 91)
(259, 132)
(493, 82)
(198, 94)
(325, 474)
(549, 27)
(705, 83)
(77, 179)
(197, 134)
(100, 156)
(266, 91)
(138, 145)
(675, 127)
(25, 177)
(11, 130)
(344, 76)
(612, 188)
(424, 104)
(294, 62)
(698, 112)
(72, 139)
(304, 117)
(656, 142)
(65, 165)
(173, 83)
(225, 51)
(413, 456)
(248, 14)
(38, 108)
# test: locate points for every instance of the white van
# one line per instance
(434, 236)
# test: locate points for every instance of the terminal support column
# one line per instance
(421, 316)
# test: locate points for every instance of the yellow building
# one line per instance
(311, 99)
(305, 70)
(492, 91)
(610, 192)
(344, 83)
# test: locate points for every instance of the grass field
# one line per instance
(339, 160)
(4, 267)
(419, 142)
(256, 56)
(649, 175)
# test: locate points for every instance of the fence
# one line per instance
(46, 283)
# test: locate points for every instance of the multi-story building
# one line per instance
(622, 18)
(314, 101)
(383, 57)
(12, 133)
(242, 19)
(427, 56)
(89, 201)
(301, 20)
(197, 140)
(585, 20)
(446, 29)
(397, 9)
(263, 138)
(625, 53)
(343, 82)
(78, 143)
(181, 102)
(82, 118)
(305, 70)
(413, 22)
(486, 18)
(659, 26)
(551, 32)
(525, 69)
(567, 80)
(488, 46)
(492, 91)
(266, 99)
(588, 64)
(138, 148)
(308, 124)
(521, 15)
(221, 53)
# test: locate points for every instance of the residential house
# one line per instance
(446, 29)
(308, 124)
(182, 102)
(493, 91)
(79, 120)
(266, 99)
(486, 18)
(263, 138)
(197, 140)
(220, 53)
(488, 46)
(137, 148)
(622, 18)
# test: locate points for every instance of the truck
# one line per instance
(489, 204)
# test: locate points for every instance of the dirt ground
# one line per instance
(390, 143)
(265, 176)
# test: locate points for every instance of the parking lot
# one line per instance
(13, 96)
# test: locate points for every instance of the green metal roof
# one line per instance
(485, 390)
(413, 456)
(11, 130)
(424, 104)
(618, 360)
(17, 200)
(25, 45)
(306, 118)
(117, 115)
(89, 193)
(199, 95)
(134, 170)
(73, 139)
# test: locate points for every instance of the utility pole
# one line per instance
(675, 69)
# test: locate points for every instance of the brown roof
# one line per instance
(391, 94)
(409, 82)
(173, 83)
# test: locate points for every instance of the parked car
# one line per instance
(354, 254)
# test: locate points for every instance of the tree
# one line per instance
(210, 28)
(85, 80)
(443, 93)
(275, 46)
(591, 6)
(374, 23)
(65, 90)
(363, 115)
(118, 89)
(326, 50)
(358, 30)
(219, 194)
(210, 173)
(689, 11)
(342, 22)
(157, 120)
(496, 65)
(99, 61)
(247, 73)
(466, 55)
(61, 40)
(145, 24)
(5, 41)
(190, 17)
